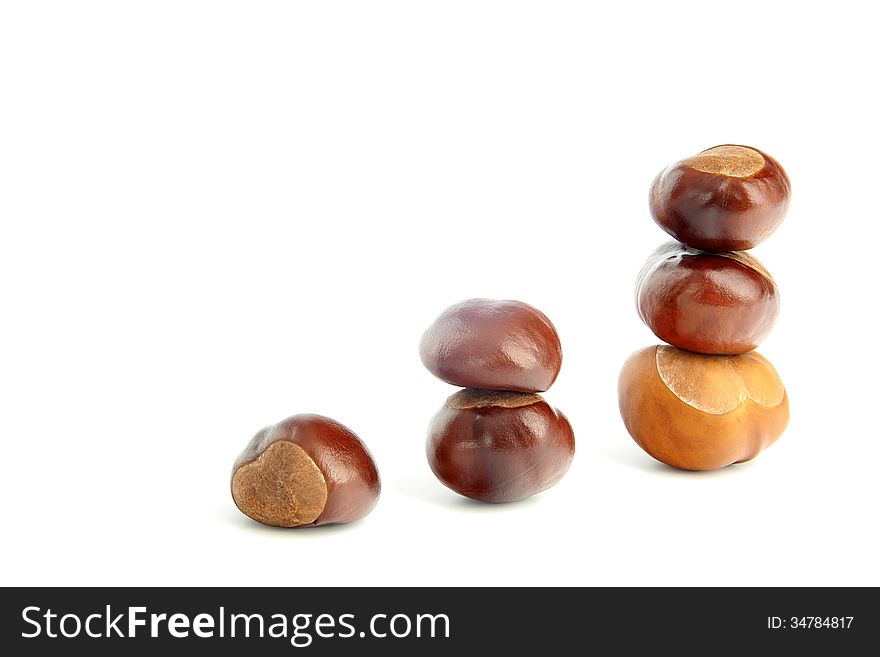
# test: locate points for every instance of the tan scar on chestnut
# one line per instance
(728, 160)
(282, 487)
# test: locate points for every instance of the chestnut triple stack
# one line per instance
(497, 440)
(707, 399)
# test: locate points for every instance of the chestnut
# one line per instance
(496, 345)
(499, 446)
(712, 303)
(305, 470)
(700, 412)
(727, 198)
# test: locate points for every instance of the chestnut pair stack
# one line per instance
(709, 400)
(497, 440)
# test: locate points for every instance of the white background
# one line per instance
(218, 214)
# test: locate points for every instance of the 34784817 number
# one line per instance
(820, 622)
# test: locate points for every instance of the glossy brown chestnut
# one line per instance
(727, 198)
(712, 303)
(496, 345)
(499, 446)
(699, 412)
(305, 470)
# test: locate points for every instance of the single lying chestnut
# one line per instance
(496, 345)
(712, 303)
(305, 470)
(699, 412)
(727, 198)
(499, 446)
